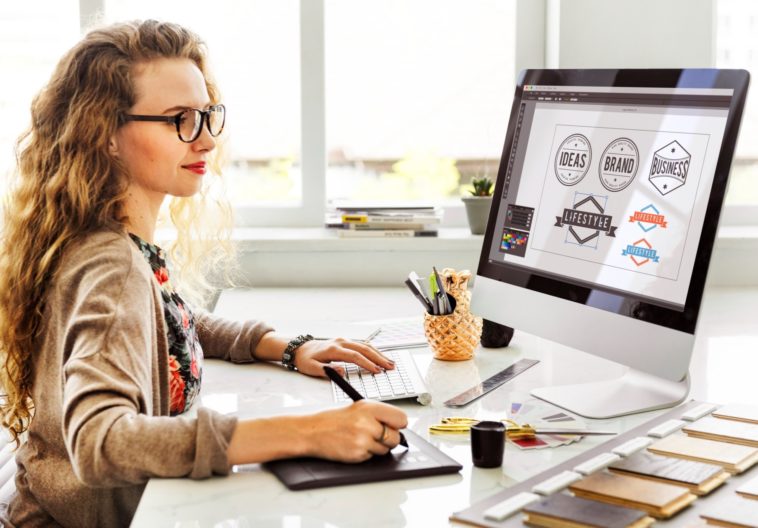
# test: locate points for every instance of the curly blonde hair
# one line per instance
(67, 184)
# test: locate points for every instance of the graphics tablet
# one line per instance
(420, 460)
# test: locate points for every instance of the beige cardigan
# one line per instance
(101, 391)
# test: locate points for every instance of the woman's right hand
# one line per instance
(353, 433)
(347, 434)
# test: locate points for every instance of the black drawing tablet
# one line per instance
(420, 460)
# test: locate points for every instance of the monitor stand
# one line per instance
(633, 392)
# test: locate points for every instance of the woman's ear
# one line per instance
(113, 146)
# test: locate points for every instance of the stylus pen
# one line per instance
(343, 384)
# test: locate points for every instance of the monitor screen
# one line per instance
(603, 221)
(610, 186)
(604, 190)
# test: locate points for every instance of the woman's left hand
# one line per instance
(312, 356)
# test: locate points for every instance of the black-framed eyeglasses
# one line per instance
(189, 122)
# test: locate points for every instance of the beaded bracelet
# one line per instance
(288, 357)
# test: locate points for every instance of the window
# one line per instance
(417, 96)
(33, 36)
(254, 53)
(403, 100)
(444, 70)
(737, 48)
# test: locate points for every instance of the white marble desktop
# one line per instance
(724, 367)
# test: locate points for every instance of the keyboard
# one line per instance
(404, 381)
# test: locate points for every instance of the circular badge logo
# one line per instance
(618, 164)
(572, 161)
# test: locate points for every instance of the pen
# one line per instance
(358, 339)
(366, 340)
(416, 285)
(422, 288)
(418, 295)
(434, 297)
(343, 384)
(442, 292)
(372, 335)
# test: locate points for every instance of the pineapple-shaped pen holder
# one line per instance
(455, 336)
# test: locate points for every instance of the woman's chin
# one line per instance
(187, 189)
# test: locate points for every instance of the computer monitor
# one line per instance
(603, 221)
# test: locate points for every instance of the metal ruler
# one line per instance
(491, 383)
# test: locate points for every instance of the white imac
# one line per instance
(603, 220)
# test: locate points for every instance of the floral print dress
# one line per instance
(185, 353)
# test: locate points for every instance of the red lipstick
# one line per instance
(197, 168)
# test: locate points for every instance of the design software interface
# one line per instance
(608, 187)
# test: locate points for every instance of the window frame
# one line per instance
(312, 208)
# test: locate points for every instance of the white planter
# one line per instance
(477, 211)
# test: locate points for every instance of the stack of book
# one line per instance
(381, 220)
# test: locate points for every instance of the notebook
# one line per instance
(732, 457)
(657, 499)
(698, 477)
(420, 460)
(565, 510)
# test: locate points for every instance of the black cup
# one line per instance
(495, 335)
(487, 444)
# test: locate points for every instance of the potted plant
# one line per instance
(478, 204)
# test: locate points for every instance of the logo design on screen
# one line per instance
(572, 161)
(669, 169)
(641, 252)
(618, 164)
(648, 218)
(586, 220)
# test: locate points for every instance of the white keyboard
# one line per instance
(404, 381)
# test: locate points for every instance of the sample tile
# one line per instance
(736, 512)
(561, 508)
(658, 499)
(749, 489)
(734, 458)
(741, 413)
(700, 478)
(724, 430)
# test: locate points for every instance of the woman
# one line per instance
(100, 355)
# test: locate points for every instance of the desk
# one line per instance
(723, 367)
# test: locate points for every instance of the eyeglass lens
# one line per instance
(191, 121)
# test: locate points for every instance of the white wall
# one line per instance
(630, 33)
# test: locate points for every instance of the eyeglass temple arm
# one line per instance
(165, 119)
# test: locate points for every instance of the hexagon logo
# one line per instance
(669, 168)
(586, 220)
(648, 218)
(641, 252)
